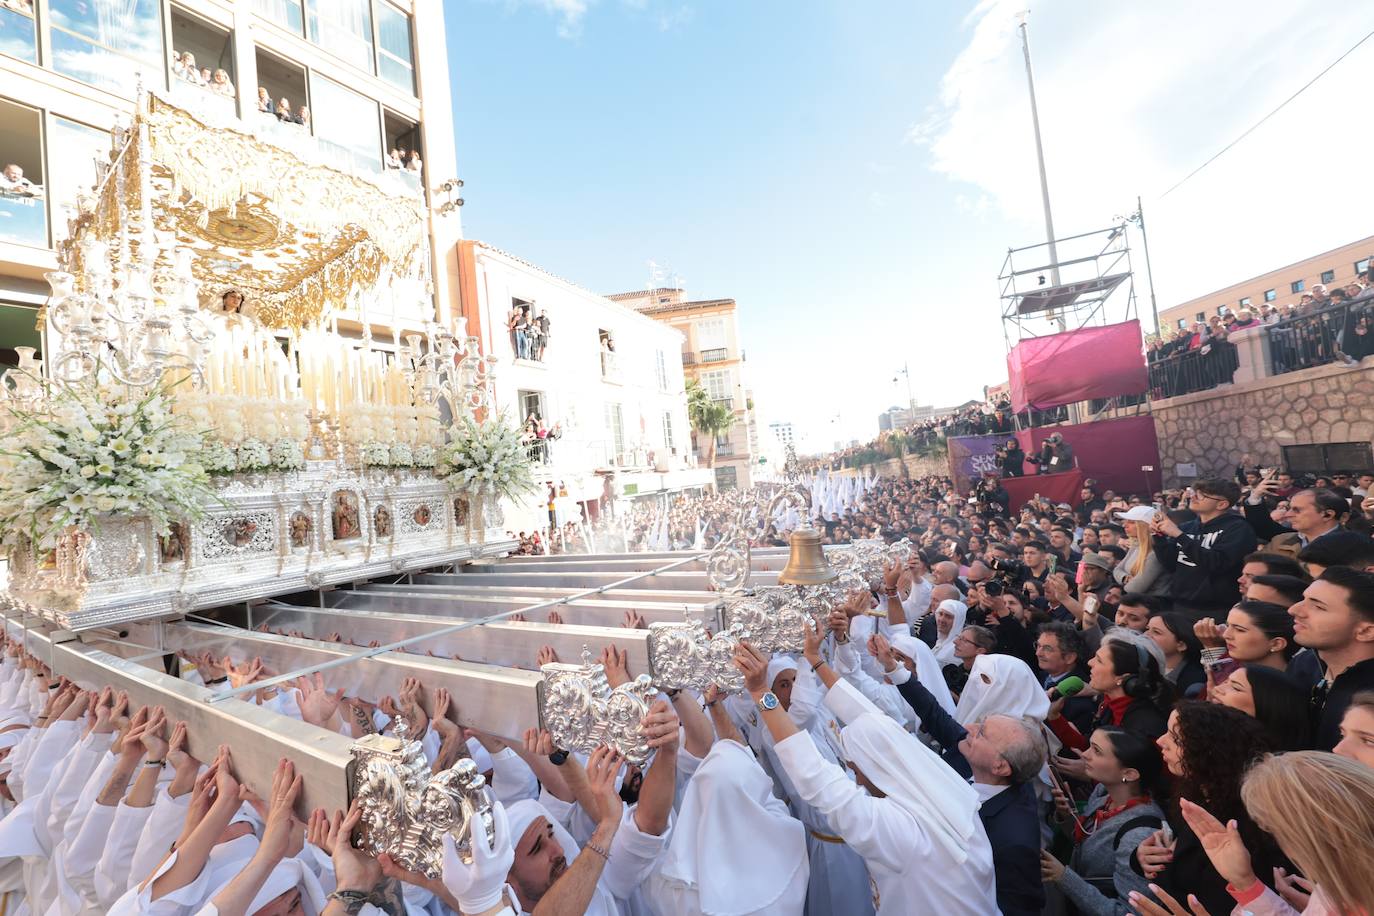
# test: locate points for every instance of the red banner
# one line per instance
(1092, 362)
(1115, 453)
(1060, 488)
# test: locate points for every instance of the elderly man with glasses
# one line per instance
(1205, 554)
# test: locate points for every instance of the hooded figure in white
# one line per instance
(922, 840)
(1005, 686)
(839, 880)
(736, 851)
(944, 645)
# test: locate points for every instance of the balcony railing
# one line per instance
(715, 356)
(689, 359)
(610, 368)
(728, 402)
(1322, 337)
(1192, 370)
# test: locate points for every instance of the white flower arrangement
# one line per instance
(94, 450)
(254, 455)
(486, 457)
(219, 458)
(375, 454)
(424, 456)
(401, 455)
(287, 455)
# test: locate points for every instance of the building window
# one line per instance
(1297, 286)
(661, 367)
(1183, 323)
(1328, 276)
(1245, 303)
(107, 43)
(23, 202)
(285, 13)
(668, 442)
(615, 433)
(1270, 295)
(1201, 316)
(344, 28)
(1222, 310)
(211, 48)
(711, 334)
(395, 59)
(17, 35)
(717, 384)
(1362, 266)
(1323, 458)
(345, 125)
(73, 150)
(727, 477)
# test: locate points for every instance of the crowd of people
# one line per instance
(217, 81)
(529, 332)
(1149, 704)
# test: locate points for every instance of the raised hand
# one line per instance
(1154, 852)
(448, 729)
(353, 868)
(812, 636)
(616, 663)
(546, 656)
(1171, 907)
(838, 621)
(318, 705)
(538, 742)
(410, 706)
(280, 823)
(1293, 888)
(1208, 633)
(754, 665)
(602, 768)
(660, 726)
(1222, 843)
(555, 617)
(154, 744)
(633, 621)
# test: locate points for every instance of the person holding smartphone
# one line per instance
(1206, 554)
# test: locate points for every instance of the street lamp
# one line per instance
(911, 398)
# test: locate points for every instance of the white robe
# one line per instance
(915, 867)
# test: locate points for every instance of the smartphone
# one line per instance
(1090, 604)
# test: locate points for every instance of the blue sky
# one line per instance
(852, 173)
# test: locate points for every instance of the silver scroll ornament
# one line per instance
(581, 712)
(684, 655)
(728, 563)
(775, 616)
(407, 810)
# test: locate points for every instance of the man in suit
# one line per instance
(1002, 756)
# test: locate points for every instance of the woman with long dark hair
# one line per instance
(1121, 813)
(1125, 671)
(1207, 748)
(1173, 633)
(1269, 695)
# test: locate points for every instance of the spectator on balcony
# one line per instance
(1013, 459)
(206, 77)
(1244, 319)
(284, 110)
(1055, 456)
(532, 337)
(413, 163)
(264, 100)
(518, 322)
(393, 159)
(302, 117)
(12, 181)
(542, 324)
(220, 84)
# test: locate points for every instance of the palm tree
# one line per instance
(708, 417)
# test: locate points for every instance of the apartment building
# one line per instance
(606, 380)
(352, 79)
(1279, 288)
(713, 355)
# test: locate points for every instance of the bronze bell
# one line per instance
(806, 565)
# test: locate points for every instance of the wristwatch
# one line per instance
(353, 901)
(768, 702)
(558, 757)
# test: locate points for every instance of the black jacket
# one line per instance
(1191, 872)
(1326, 721)
(1206, 558)
(1011, 818)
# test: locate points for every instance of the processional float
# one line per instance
(325, 538)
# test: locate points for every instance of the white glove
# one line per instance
(478, 886)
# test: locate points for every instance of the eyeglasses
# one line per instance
(1197, 495)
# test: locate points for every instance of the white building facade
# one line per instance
(606, 379)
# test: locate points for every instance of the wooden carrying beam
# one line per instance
(512, 645)
(498, 701)
(257, 737)
(646, 601)
(437, 603)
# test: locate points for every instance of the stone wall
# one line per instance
(1214, 429)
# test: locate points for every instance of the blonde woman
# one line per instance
(1141, 573)
(1320, 809)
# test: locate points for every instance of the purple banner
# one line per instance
(970, 456)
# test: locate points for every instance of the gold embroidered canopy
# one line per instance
(298, 238)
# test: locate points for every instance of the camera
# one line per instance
(994, 587)
(1007, 568)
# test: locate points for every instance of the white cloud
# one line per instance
(571, 14)
(1134, 96)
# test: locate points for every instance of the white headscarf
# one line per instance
(907, 772)
(927, 668)
(734, 841)
(777, 665)
(944, 645)
(1002, 685)
(287, 874)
